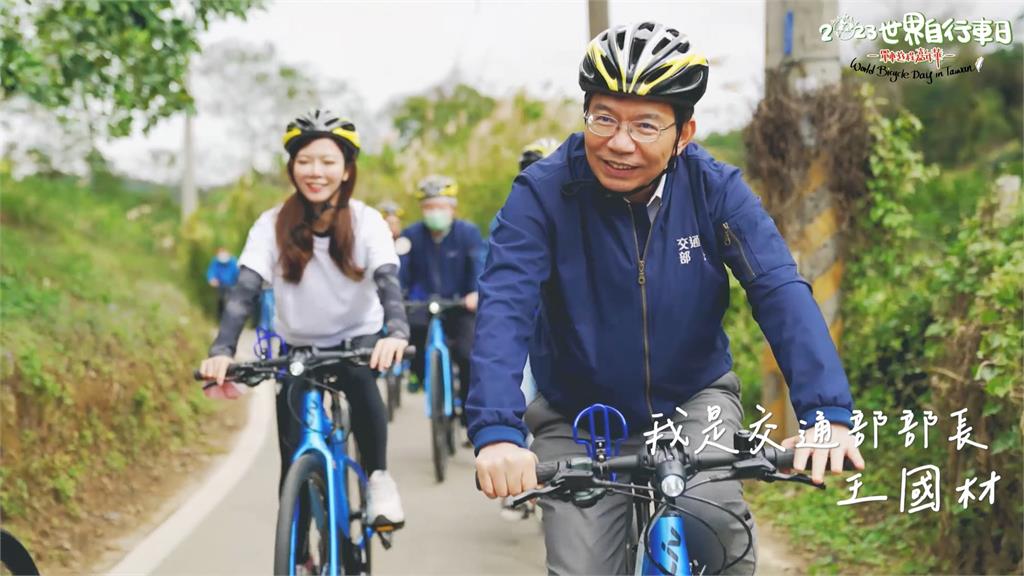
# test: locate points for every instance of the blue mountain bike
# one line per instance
(322, 525)
(658, 484)
(442, 403)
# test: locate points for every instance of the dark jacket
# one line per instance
(644, 341)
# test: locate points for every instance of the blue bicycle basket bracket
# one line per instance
(263, 347)
(604, 423)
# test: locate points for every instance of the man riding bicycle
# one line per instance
(617, 244)
(443, 259)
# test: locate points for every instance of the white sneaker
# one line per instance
(383, 505)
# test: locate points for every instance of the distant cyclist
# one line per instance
(222, 273)
(443, 259)
(608, 267)
(332, 264)
(392, 213)
(534, 151)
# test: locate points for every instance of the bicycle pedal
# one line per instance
(382, 525)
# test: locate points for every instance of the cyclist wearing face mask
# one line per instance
(443, 259)
(608, 267)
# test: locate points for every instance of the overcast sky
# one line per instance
(387, 49)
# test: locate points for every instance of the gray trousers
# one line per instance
(594, 540)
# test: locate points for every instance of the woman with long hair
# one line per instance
(332, 264)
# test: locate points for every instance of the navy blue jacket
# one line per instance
(642, 341)
(448, 269)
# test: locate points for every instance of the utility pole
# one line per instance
(189, 197)
(794, 49)
(597, 12)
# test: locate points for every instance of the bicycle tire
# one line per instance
(449, 435)
(438, 433)
(400, 382)
(453, 422)
(15, 557)
(305, 483)
(392, 390)
(354, 561)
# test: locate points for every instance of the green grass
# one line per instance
(97, 342)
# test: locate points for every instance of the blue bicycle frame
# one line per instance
(336, 461)
(435, 341)
(319, 436)
(606, 430)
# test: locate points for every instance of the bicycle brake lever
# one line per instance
(798, 478)
(536, 493)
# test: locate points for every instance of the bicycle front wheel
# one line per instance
(438, 420)
(303, 521)
(14, 557)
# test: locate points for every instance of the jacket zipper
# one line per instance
(435, 272)
(642, 281)
(739, 245)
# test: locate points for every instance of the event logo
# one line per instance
(919, 38)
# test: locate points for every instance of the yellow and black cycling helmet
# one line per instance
(389, 208)
(536, 150)
(646, 59)
(436, 186)
(318, 123)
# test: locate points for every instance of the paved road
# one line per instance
(450, 528)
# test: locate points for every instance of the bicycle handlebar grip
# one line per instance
(410, 352)
(546, 471)
(783, 460)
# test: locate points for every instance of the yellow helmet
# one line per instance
(646, 59)
(437, 186)
(318, 123)
(536, 150)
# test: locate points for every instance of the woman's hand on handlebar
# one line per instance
(216, 369)
(387, 352)
(504, 469)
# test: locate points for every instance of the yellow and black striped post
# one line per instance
(793, 45)
(815, 242)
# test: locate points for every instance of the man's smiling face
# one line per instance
(620, 163)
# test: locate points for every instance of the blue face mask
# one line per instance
(437, 220)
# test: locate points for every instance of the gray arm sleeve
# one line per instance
(390, 292)
(239, 305)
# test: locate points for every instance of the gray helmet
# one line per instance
(437, 186)
(389, 208)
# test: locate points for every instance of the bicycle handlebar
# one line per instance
(435, 305)
(582, 472)
(694, 463)
(298, 362)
